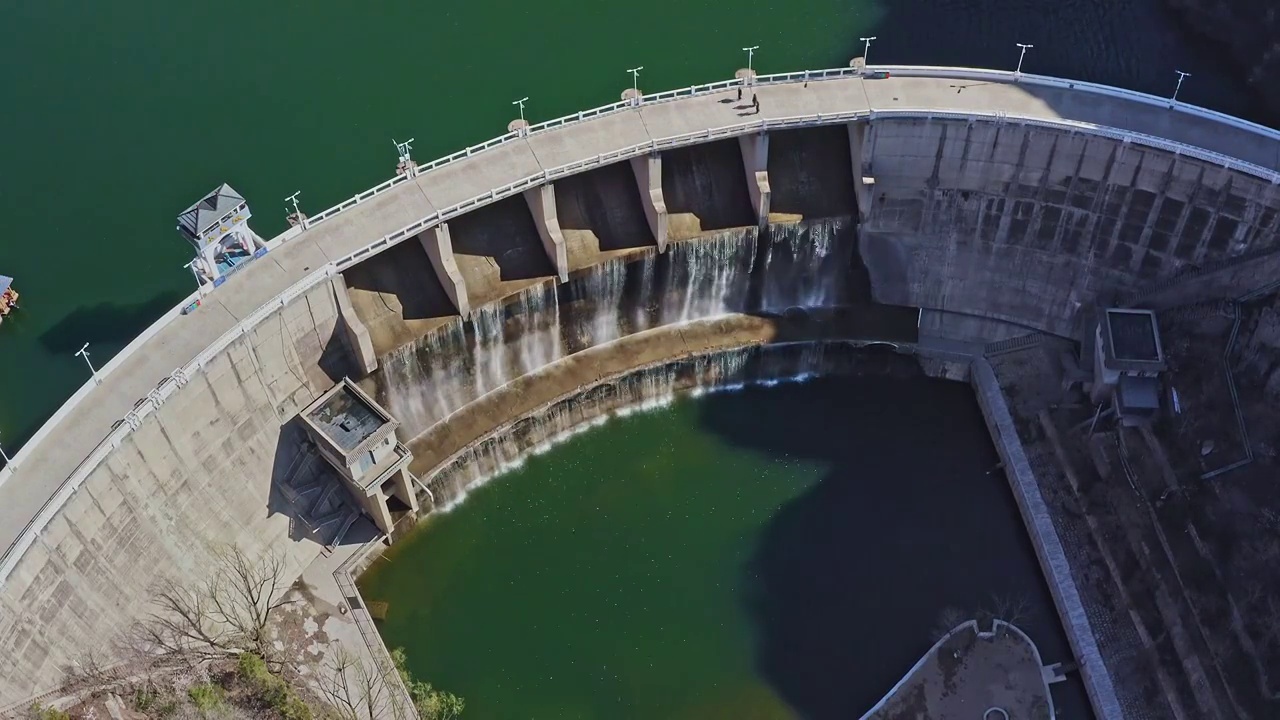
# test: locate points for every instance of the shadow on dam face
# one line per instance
(705, 190)
(908, 529)
(811, 174)
(601, 215)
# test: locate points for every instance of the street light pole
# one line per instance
(1181, 76)
(1021, 55)
(521, 103)
(866, 48)
(751, 53)
(8, 462)
(84, 353)
(635, 79)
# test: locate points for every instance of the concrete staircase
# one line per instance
(321, 503)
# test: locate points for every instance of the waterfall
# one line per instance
(420, 379)
(809, 264)
(511, 338)
(707, 277)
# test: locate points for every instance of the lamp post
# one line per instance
(1021, 55)
(635, 79)
(632, 94)
(8, 462)
(751, 53)
(521, 103)
(84, 353)
(866, 48)
(1181, 76)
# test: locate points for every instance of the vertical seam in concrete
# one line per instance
(1180, 229)
(1099, 202)
(1144, 242)
(1212, 225)
(1128, 198)
(1037, 213)
(1068, 211)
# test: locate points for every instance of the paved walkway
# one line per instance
(969, 675)
(43, 468)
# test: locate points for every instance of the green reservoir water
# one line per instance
(117, 115)
(768, 553)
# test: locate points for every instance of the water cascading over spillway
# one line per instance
(648, 388)
(804, 264)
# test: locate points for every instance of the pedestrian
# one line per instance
(739, 93)
(755, 102)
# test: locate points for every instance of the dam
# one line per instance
(976, 218)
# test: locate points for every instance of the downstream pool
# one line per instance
(773, 552)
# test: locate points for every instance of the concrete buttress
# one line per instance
(359, 344)
(861, 189)
(755, 160)
(439, 247)
(648, 172)
(542, 203)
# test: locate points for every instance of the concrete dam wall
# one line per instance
(1035, 226)
(980, 229)
(192, 480)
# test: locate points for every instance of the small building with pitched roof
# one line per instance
(218, 227)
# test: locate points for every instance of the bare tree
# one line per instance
(358, 691)
(225, 615)
(1013, 608)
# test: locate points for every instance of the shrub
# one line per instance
(207, 697)
(40, 712)
(431, 704)
(271, 689)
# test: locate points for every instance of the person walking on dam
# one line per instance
(755, 102)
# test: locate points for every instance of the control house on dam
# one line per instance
(1003, 229)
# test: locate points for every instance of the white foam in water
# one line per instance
(656, 388)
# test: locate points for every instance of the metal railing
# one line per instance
(179, 377)
(345, 578)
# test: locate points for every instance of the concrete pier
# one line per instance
(439, 248)
(755, 161)
(1012, 204)
(542, 204)
(648, 171)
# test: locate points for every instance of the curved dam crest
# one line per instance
(908, 194)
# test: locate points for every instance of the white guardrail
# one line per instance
(179, 377)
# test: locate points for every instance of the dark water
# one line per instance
(118, 115)
(769, 553)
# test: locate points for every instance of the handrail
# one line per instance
(179, 377)
(1009, 76)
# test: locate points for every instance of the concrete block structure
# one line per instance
(357, 437)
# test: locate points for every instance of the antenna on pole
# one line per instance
(406, 165)
(296, 217)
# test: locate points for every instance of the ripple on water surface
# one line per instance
(769, 553)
